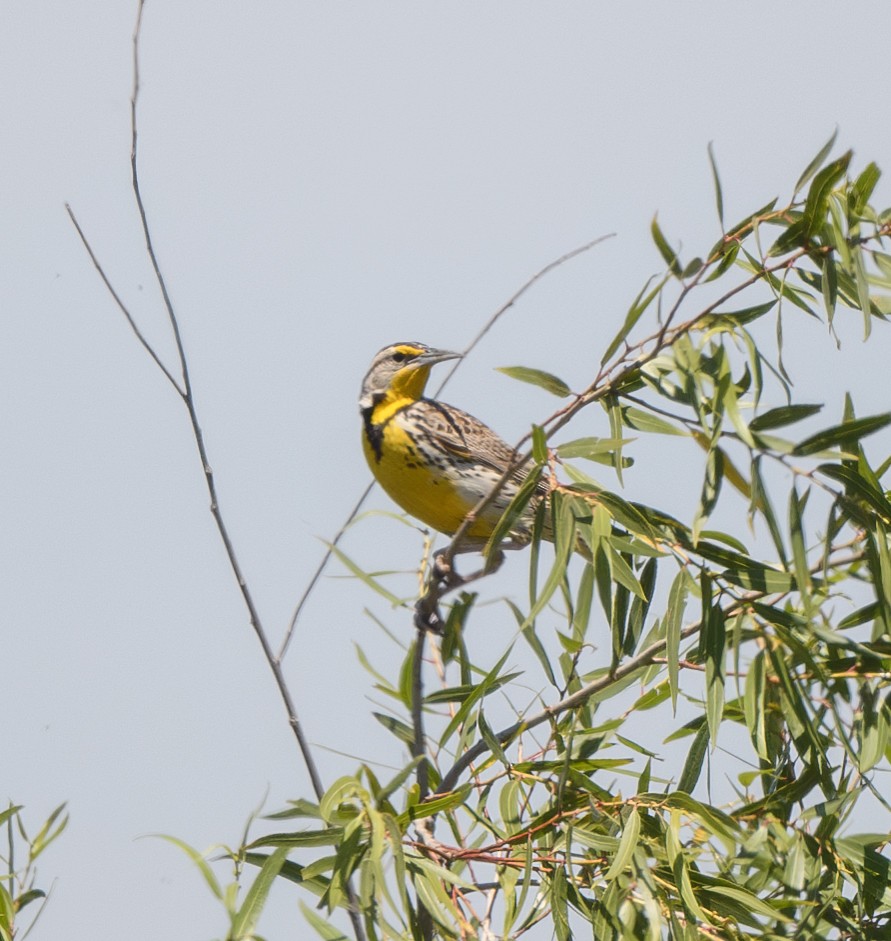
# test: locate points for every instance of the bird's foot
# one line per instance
(427, 613)
(444, 572)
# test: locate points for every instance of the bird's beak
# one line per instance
(435, 356)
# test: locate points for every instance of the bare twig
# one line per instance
(121, 305)
(185, 391)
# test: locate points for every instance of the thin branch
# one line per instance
(137, 192)
(317, 574)
(121, 305)
(188, 400)
(506, 306)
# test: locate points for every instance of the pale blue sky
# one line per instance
(322, 179)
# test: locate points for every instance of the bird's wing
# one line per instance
(463, 436)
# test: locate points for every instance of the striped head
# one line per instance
(400, 372)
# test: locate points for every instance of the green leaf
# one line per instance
(489, 682)
(843, 435)
(245, 918)
(678, 862)
(199, 860)
(10, 811)
(436, 805)
(784, 415)
(626, 514)
(863, 615)
(859, 487)
(515, 510)
(741, 229)
(400, 729)
(668, 254)
(750, 901)
(7, 914)
(363, 576)
(872, 729)
(330, 836)
(48, 832)
(323, 928)
(535, 643)
(796, 538)
(537, 377)
(623, 575)
(695, 759)
(829, 286)
(558, 906)
(737, 318)
(863, 188)
(760, 502)
(719, 198)
(297, 808)
(645, 421)
(817, 162)
(724, 253)
(591, 448)
(713, 638)
(677, 603)
(491, 740)
(627, 846)
(817, 201)
(635, 312)
(565, 542)
(539, 445)
(465, 691)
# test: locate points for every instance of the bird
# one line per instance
(435, 460)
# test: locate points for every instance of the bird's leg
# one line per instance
(443, 579)
(443, 570)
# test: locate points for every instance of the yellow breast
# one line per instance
(433, 487)
(420, 489)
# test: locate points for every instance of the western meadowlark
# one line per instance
(436, 461)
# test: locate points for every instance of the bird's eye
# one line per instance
(399, 357)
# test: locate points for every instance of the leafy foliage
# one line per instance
(773, 662)
(21, 901)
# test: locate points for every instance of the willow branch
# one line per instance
(607, 380)
(641, 660)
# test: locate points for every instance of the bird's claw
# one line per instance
(427, 615)
(444, 572)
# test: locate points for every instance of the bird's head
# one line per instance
(400, 371)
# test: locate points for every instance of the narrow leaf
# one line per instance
(843, 435)
(363, 576)
(719, 198)
(784, 415)
(635, 312)
(199, 860)
(537, 377)
(245, 918)
(695, 759)
(817, 162)
(627, 846)
(665, 250)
